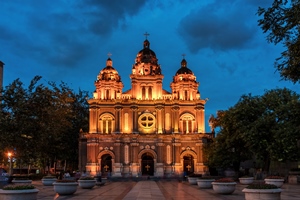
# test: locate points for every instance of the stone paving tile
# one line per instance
(157, 190)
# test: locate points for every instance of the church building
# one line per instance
(145, 130)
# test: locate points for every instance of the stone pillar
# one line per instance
(159, 121)
(177, 166)
(135, 119)
(199, 119)
(92, 151)
(118, 110)
(93, 119)
(118, 164)
(175, 119)
(134, 158)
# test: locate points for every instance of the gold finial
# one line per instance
(146, 34)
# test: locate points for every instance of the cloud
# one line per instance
(219, 26)
(57, 33)
(104, 16)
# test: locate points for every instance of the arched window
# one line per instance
(106, 123)
(187, 123)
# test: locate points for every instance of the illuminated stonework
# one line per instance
(149, 131)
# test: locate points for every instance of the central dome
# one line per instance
(146, 55)
(146, 62)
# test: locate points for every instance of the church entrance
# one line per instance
(147, 164)
(188, 164)
(106, 165)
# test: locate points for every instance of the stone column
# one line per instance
(175, 119)
(118, 110)
(199, 119)
(118, 164)
(159, 121)
(135, 119)
(93, 119)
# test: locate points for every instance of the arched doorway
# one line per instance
(147, 164)
(188, 164)
(106, 165)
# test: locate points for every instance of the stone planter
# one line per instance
(20, 181)
(266, 194)
(192, 180)
(277, 182)
(29, 194)
(205, 183)
(65, 188)
(224, 187)
(246, 180)
(86, 184)
(48, 181)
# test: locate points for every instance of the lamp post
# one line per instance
(10, 163)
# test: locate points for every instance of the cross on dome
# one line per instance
(146, 34)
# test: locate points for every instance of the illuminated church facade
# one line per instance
(145, 130)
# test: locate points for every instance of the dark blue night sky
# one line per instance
(69, 41)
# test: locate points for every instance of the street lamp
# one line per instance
(10, 163)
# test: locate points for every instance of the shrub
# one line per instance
(87, 178)
(206, 177)
(65, 181)
(21, 178)
(274, 177)
(195, 175)
(225, 180)
(18, 187)
(261, 186)
(49, 177)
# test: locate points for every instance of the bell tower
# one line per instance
(146, 77)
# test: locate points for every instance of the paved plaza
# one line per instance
(160, 189)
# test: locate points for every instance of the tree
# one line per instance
(281, 21)
(265, 127)
(42, 123)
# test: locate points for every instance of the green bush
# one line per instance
(65, 181)
(49, 177)
(225, 180)
(87, 178)
(18, 187)
(261, 186)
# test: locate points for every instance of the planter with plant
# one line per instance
(87, 182)
(246, 180)
(65, 187)
(262, 191)
(275, 180)
(224, 186)
(17, 192)
(48, 180)
(192, 178)
(205, 182)
(21, 180)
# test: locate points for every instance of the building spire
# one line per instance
(146, 35)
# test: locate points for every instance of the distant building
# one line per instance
(145, 130)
